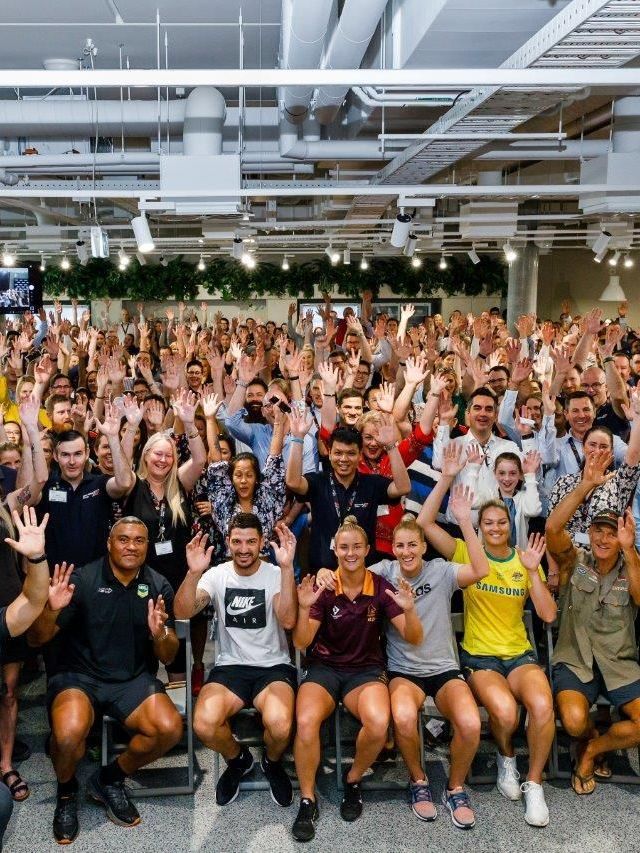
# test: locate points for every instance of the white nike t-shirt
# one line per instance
(249, 633)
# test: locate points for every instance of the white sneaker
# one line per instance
(508, 782)
(536, 812)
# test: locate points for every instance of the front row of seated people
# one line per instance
(115, 622)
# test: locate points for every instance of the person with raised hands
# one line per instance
(497, 658)
(596, 650)
(255, 602)
(342, 490)
(342, 630)
(616, 492)
(158, 496)
(114, 621)
(24, 583)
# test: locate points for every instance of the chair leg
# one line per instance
(423, 758)
(105, 743)
(338, 748)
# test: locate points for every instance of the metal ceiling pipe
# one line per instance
(337, 149)
(347, 47)
(204, 116)
(574, 149)
(304, 30)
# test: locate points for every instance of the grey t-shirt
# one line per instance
(433, 587)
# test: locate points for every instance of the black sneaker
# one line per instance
(115, 799)
(351, 805)
(65, 819)
(281, 787)
(229, 782)
(304, 826)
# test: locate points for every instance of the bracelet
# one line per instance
(193, 435)
(293, 378)
(390, 447)
(297, 440)
(242, 384)
(35, 560)
(328, 395)
(402, 363)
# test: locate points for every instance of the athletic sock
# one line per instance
(112, 774)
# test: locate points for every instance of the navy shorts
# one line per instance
(246, 682)
(565, 679)
(117, 699)
(503, 666)
(339, 682)
(429, 684)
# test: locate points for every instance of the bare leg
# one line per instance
(369, 704)
(8, 714)
(71, 720)
(276, 703)
(214, 708)
(622, 735)
(157, 727)
(492, 691)
(406, 700)
(313, 705)
(456, 703)
(531, 688)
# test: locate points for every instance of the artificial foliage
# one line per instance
(230, 280)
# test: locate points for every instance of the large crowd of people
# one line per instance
(333, 487)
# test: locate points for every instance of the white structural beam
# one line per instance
(307, 189)
(426, 78)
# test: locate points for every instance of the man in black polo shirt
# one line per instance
(79, 503)
(113, 616)
(341, 492)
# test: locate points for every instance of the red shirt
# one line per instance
(350, 632)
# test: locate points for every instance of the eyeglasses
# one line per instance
(592, 384)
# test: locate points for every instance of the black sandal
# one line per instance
(18, 789)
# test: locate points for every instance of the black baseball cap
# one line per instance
(606, 516)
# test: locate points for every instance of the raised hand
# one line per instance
(521, 419)
(531, 462)
(475, 456)
(198, 554)
(548, 399)
(461, 502)
(593, 321)
(404, 596)
(307, 595)
(156, 618)
(627, 530)
(285, 547)
(111, 424)
(154, 413)
(30, 542)
(210, 404)
(447, 410)
(632, 411)
(596, 465)
(299, 423)
(60, 590)
(29, 411)
(387, 397)
(437, 384)
(512, 348)
(560, 358)
(132, 411)
(532, 557)
(416, 370)
(453, 459)
(330, 376)
(184, 405)
(386, 430)
(326, 579)
(521, 370)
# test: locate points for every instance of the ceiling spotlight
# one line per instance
(123, 259)
(628, 261)
(237, 248)
(64, 263)
(600, 255)
(285, 263)
(201, 264)
(474, 257)
(332, 254)
(142, 233)
(164, 261)
(510, 253)
(43, 264)
(613, 260)
(401, 229)
(416, 261)
(346, 257)
(364, 263)
(8, 258)
(410, 245)
(443, 263)
(601, 243)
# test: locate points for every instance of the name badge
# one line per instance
(383, 509)
(57, 496)
(163, 548)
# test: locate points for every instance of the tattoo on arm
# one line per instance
(202, 600)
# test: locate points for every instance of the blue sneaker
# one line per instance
(422, 804)
(458, 804)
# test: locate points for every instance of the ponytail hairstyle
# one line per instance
(350, 525)
(498, 504)
(408, 522)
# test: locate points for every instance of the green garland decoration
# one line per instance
(231, 281)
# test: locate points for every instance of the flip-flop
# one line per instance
(602, 769)
(584, 781)
(18, 789)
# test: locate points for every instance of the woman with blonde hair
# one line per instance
(159, 498)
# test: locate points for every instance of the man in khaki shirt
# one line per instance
(596, 652)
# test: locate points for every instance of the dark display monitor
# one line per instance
(20, 289)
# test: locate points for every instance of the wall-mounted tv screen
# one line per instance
(20, 289)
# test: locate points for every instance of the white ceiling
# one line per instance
(414, 34)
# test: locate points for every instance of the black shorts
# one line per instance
(564, 678)
(340, 682)
(117, 699)
(246, 682)
(15, 649)
(429, 684)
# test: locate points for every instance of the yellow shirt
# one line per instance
(13, 414)
(493, 607)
